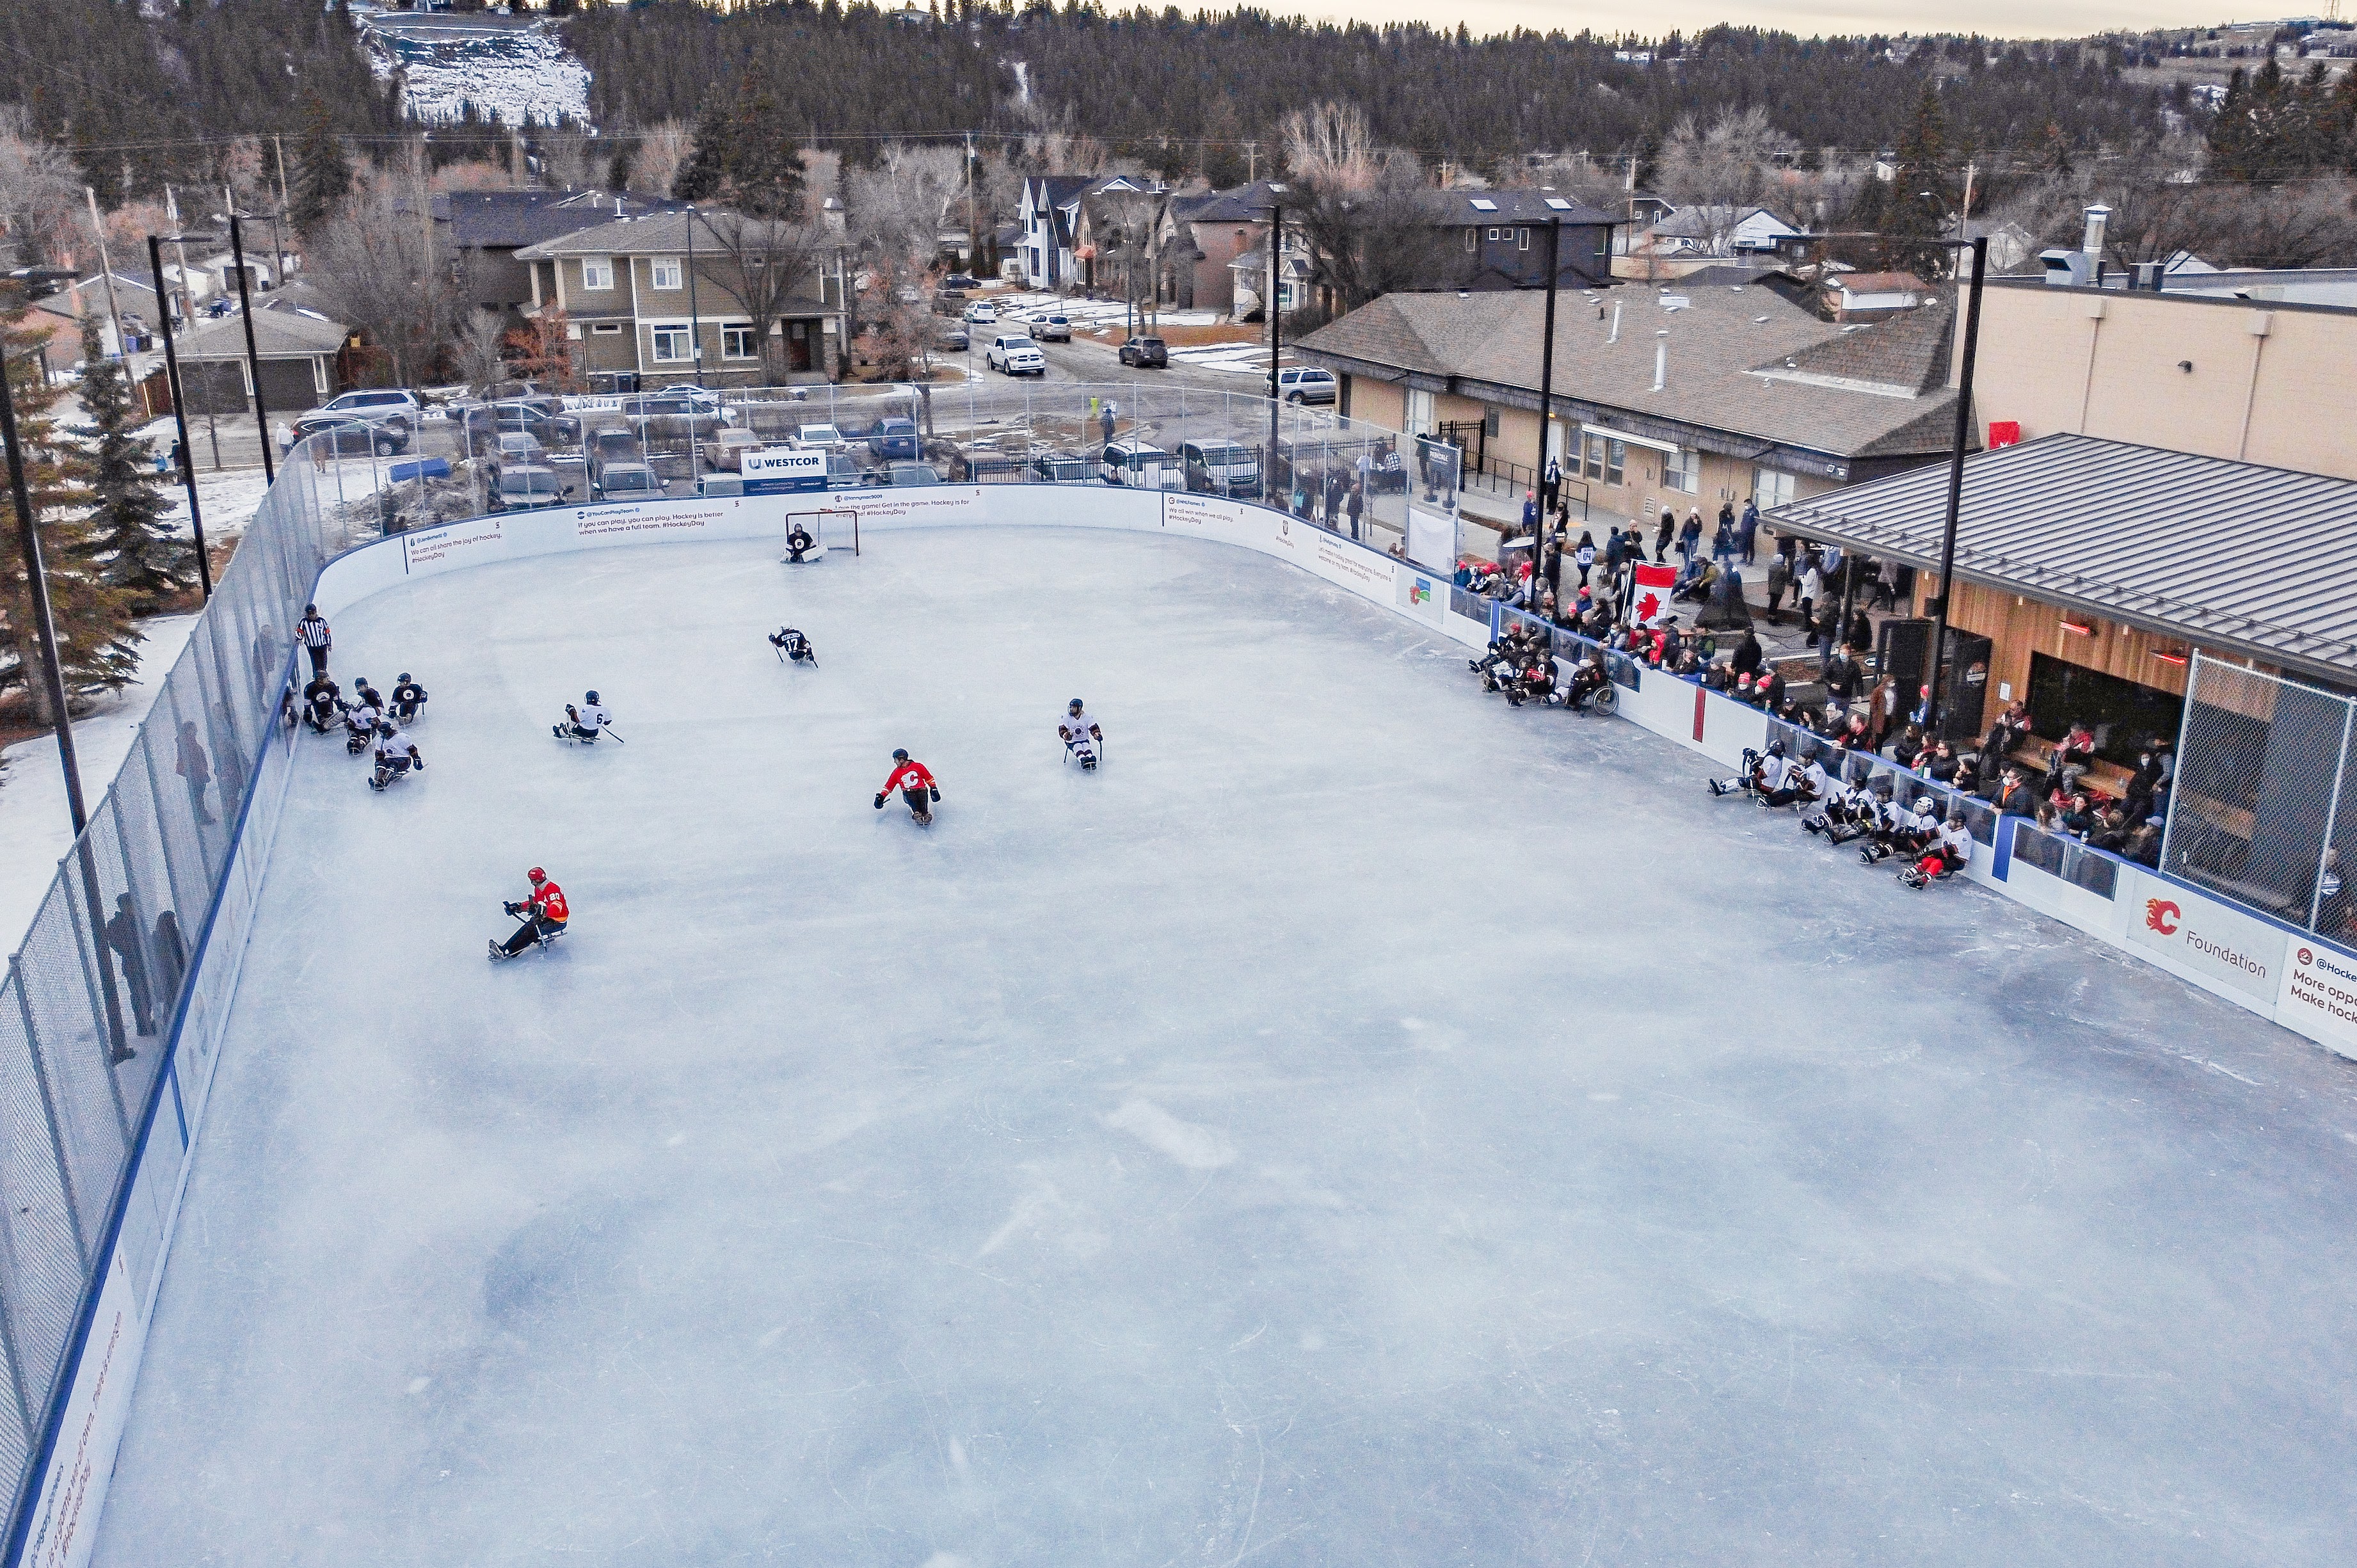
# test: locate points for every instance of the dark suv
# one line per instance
(1145, 353)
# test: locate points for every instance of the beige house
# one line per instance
(2251, 379)
(1715, 389)
(643, 296)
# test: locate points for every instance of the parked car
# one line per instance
(674, 414)
(1146, 354)
(386, 405)
(900, 475)
(1141, 465)
(728, 449)
(982, 312)
(843, 473)
(960, 279)
(515, 447)
(817, 437)
(549, 426)
(1055, 327)
(629, 482)
(602, 448)
(955, 339)
(1059, 469)
(893, 438)
(1219, 468)
(989, 466)
(1016, 355)
(527, 485)
(1304, 383)
(349, 434)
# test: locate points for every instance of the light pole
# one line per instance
(1956, 474)
(1275, 335)
(37, 579)
(180, 415)
(252, 355)
(1546, 410)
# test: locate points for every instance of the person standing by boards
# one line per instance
(312, 632)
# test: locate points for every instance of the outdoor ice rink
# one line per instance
(1361, 1125)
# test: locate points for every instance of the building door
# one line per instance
(798, 345)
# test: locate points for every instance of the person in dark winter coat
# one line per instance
(1662, 535)
(1748, 654)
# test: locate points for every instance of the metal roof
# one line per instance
(2231, 555)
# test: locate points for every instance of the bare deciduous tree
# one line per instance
(1720, 171)
(478, 348)
(377, 270)
(897, 207)
(662, 150)
(768, 263)
(40, 199)
(1330, 145)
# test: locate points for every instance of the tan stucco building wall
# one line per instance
(2246, 380)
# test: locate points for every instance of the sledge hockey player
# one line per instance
(1844, 814)
(1903, 832)
(916, 786)
(323, 701)
(1536, 680)
(360, 717)
(395, 757)
(798, 544)
(1760, 771)
(1948, 854)
(1804, 782)
(408, 696)
(793, 645)
(584, 724)
(1080, 734)
(1506, 648)
(543, 915)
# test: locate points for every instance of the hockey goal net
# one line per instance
(833, 528)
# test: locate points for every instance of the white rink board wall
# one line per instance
(2302, 983)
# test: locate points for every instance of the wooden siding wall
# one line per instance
(2018, 627)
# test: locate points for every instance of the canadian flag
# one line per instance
(1653, 591)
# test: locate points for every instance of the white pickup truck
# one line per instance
(1016, 355)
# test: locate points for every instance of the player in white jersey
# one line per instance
(394, 755)
(1077, 728)
(583, 724)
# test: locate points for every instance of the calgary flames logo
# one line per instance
(2161, 916)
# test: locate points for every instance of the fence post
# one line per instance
(2331, 815)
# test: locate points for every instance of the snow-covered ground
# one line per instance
(517, 75)
(34, 827)
(1362, 1124)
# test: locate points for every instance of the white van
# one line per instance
(1141, 467)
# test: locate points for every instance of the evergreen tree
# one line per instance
(97, 644)
(701, 177)
(322, 177)
(765, 174)
(1923, 191)
(139, 555)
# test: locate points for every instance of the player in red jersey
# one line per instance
(543, 915)
(916, 786)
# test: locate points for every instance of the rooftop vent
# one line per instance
(1558, 203)
(1483, 204)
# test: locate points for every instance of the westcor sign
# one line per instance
(778, 471)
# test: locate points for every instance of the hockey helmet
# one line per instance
(590, 697)
(900, 754)
(537, 874)
(404, 676)
(1927, 807)
(1074, 704)
(1775, 748)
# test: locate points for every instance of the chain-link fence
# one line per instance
(2263, 808)
(92, 1008)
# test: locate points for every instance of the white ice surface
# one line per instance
(1361, 1125)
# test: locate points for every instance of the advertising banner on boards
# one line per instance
(1432, 538)
(782, 471)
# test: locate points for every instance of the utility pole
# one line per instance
(1965, 216)
(180, 417)
(1251, 163)
(285, 204)
(252, 355)
(1275, 333)
(106, 271)
(694, 317)
(1956, 481)
(973, 233)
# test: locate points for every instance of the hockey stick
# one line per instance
(778, 651)
(617, 739)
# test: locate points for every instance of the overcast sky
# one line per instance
(2010, 19)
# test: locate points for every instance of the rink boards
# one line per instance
(2283, 975)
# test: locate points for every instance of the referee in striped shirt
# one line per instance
(312, 632)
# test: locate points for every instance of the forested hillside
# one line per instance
(156, 96)
(1160, 86)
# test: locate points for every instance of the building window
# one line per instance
(671, 345)
(739, 340)
(1604, 459)
(597, 272)
(1493, 233)
(667, 273)
(1770, 488)
(1472, 239)
(1420, 412)
(602, 328)
(1521, 239)
(1682, 470)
